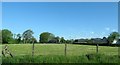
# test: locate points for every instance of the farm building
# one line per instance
(92, 41)
(100, 41)
(116, 41)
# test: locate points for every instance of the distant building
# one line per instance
(116, 41)
(92, 41)
(100, 41)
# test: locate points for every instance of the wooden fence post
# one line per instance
(97, 48)
(65, 49)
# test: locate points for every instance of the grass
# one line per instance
(58, 49)
(62, 59)
(54, 53)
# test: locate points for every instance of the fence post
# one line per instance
(97, 48)
(65, 49)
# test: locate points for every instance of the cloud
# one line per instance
(107, 29)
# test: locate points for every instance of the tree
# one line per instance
(27, 35)
(54, 40)
(46, 36)
(70, 41)
(14, 36)
(6, 36)
(51, 36)
(104, 38)
(19, 38)
(33, 40)
(62, 40)
(113, 36)
(57, 39)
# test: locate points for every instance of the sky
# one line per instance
(71, 20)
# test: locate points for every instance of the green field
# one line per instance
(58, 49)
(54, 53)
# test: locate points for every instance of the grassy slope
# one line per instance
(58, 49)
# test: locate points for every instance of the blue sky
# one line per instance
(67, 19)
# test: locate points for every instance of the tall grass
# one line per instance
(93, 58)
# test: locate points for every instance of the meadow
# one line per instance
(54, 53)
(58, 49)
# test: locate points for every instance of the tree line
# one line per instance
(7, 37)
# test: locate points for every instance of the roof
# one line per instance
(116, 42)
(99, 40)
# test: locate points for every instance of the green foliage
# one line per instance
(58, 39)
(46, 36)
(6, 36)
(19, 38)
(69, 41)
(62, 40)
(112, 36)
(13, 41)
(27, 35)
(33, 40)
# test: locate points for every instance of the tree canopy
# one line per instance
(112, 36)
(46, 36)
(6, 36)
(27, 35)
(62, 40)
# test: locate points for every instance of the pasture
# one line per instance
(54, 53)
(58, 49)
